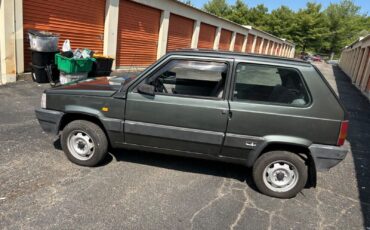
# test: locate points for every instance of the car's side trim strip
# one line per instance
(242, 141)
(172, 132)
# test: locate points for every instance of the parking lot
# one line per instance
(41, 189)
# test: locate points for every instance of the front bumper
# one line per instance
(49, 120)
(327, 156)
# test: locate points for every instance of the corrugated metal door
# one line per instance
(278, 50)
(225, 40)
(206, 36)
(265, 42)
(180, 32)
(270, 47)
(239, 40)
(275, 48)
(250, 43)
(138, 32)
(79, 21)
(363, 76)
(258, 45)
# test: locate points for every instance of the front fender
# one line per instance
(83, 110)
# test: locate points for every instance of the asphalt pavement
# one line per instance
(41, 189)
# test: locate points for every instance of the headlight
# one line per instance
(43, 101)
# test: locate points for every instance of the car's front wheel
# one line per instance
(280, 174)
(84, 143)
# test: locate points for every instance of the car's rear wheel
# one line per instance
(280, 174)
(84, 143)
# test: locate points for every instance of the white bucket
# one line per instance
(67, 78)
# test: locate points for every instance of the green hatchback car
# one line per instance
(276, 115)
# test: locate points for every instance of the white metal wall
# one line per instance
(355, 62)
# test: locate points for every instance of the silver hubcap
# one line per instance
(280, 176)
(80, 145)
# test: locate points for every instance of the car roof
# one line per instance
(240, 56)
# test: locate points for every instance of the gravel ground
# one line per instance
(41, 189)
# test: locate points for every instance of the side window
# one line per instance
(273, 84)
(191, 78)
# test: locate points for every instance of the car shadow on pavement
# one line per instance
(186, 164)
(358, 108)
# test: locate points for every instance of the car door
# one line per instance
(187, 113)
(267, 100)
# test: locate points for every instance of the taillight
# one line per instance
(343, 133)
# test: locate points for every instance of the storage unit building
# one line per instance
(133, 32)
(355, 62)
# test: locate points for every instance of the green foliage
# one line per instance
(239, 13)
(218, 7)
(258, 16)
(281, 22)
(311, 28)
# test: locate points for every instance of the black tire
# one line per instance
(275, 156)
(97, 136)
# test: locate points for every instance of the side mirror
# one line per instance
(146, 89)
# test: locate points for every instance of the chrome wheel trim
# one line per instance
(80, 145)
(280, 176)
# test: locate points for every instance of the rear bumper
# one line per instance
(49, 120)
(327, 156)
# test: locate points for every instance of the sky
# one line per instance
(293, 4)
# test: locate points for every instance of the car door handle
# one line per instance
(228, 112)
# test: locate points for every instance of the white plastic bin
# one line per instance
(65, 78)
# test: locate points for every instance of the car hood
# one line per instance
(101, 86)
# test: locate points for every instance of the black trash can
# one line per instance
(43, 58)
(40, 75)
(101, 67)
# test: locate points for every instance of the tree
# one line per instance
(309, 28)
(239, 13)
(344, 24)
(217, 7)
(281, 22)
(258, 16)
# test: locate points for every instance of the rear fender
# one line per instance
(273, 140)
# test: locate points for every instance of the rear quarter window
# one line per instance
(270, 84)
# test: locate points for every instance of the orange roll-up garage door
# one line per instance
(138, 31)
(79, 21)
(249, 43)
(278, 50)
(270, 47)
(258, 44)
(264, 46)
(239, 40)
(206, 36)
(180, 32)
(225, 40)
